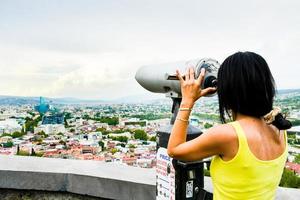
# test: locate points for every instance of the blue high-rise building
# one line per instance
(55, 118)
(42, 108)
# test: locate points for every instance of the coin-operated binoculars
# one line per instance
(175, 179)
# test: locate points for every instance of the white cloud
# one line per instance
(91, 49)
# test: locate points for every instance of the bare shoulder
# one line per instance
(278, 135)
(225, 139)
(224, 133)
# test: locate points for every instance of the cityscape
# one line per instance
(90, 91)
(123, 133)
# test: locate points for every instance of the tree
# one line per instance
(113, 150)
(102, 130)
(33, 152)
(207, 125)
(153, 139)
(295, 122)
(101, 144)
(120, 138)
(151, 116)
(62, 142)
(289, 179)
(86, 117)
(31, 123)
(67, 115)
(42, 133)
(5, 134)
(140, 134)
(123, 145)
(8, 144)
(206, 172)
(40, 154)
(17, 134)
(66, 123)
(109, 120)
(297, 159)
(23, 153)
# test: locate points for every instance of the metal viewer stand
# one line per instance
(178, 180)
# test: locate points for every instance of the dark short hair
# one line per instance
(245, 85)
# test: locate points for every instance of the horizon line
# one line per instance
(97, 99)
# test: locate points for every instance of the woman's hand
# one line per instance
(191, 88)
(205, 145)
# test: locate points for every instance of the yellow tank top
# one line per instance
(245, 177)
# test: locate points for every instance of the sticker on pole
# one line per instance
(189, 189)
(165, 176)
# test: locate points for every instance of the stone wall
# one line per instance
(32, 178)
(92, 178)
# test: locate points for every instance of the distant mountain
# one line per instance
(15, 100)
(149, 98)
(286, 91)
(18, 100)
(74, 101)
(141, 98)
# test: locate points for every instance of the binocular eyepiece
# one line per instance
(163, 79)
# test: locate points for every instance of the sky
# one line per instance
(91, 49)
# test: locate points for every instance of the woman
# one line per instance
(249, 152)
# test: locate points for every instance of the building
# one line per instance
(5, 139)
(10, 126)
(125, 134)
(129, 160)
(50, 129)
(133, 121)
(293, 167)
(42, 108)
(295, 130)
(57, 118)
